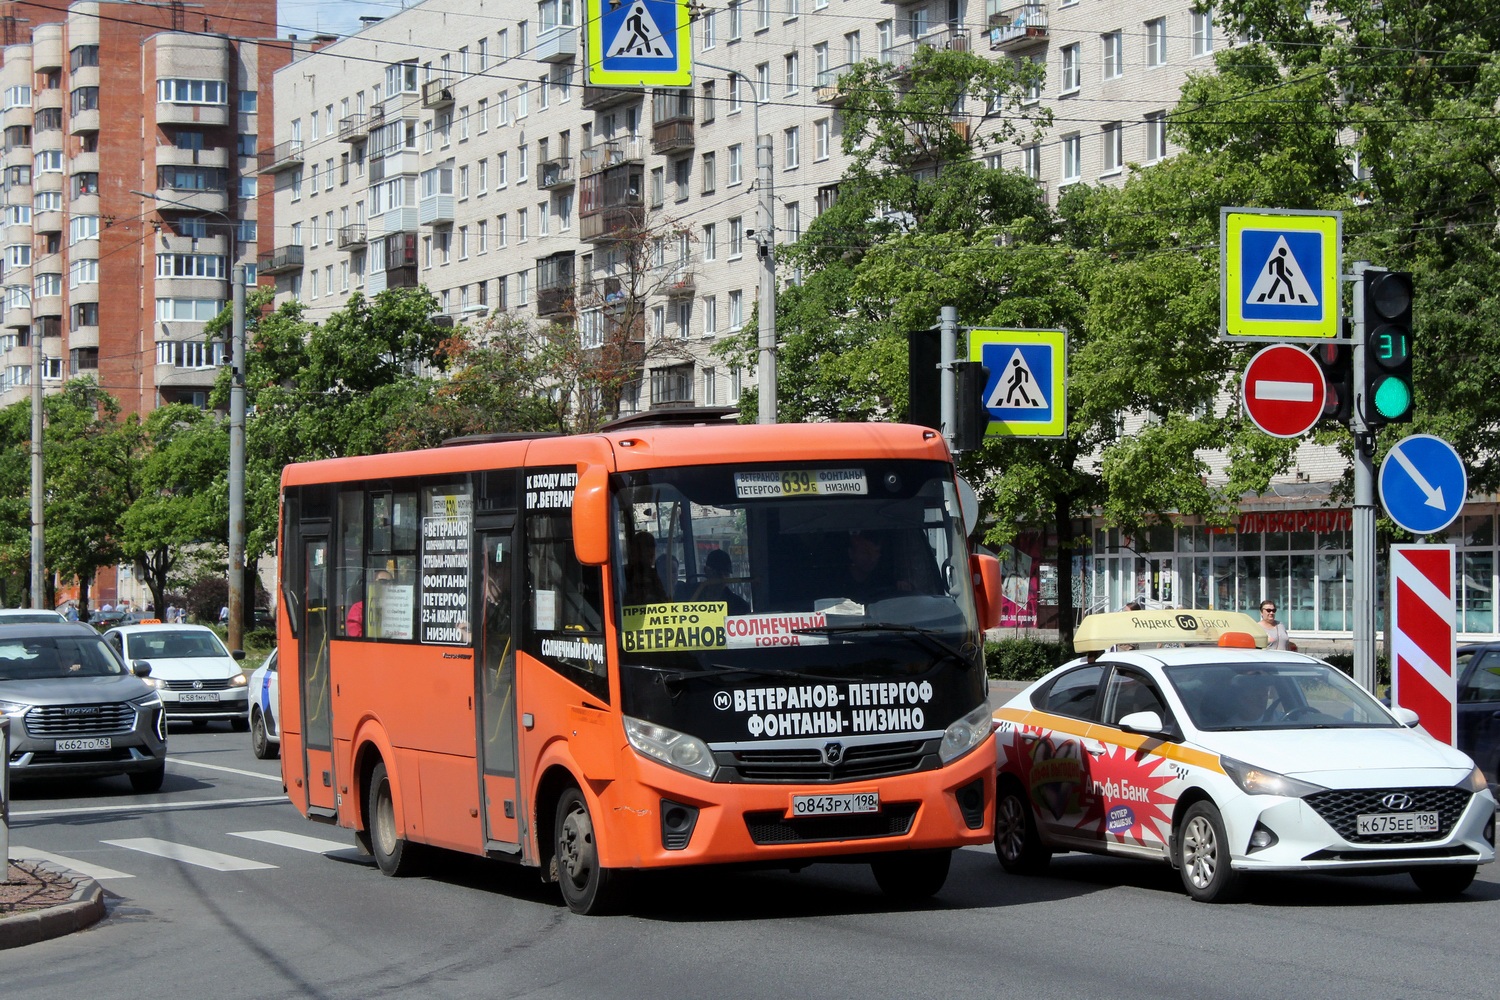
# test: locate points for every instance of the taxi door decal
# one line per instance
(1136, 790)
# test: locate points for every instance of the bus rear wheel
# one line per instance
(912, 876)
(587, 887)
(393, 853)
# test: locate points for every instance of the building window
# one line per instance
(710, 317)
(1156, 42)
(710, 241)
(736, 311)
(709, 183)
(401, 78)
(736, 237)
(1031, 162)
(1156, 136)
(1114, 54)
(1203, 32)
(172, 91)
(735, 157)
(1072, 158)
(793, 140)
(791, 74)
(1113, 153)
(1072, 68)
(822, 131)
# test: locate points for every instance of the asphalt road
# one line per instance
(280, 907)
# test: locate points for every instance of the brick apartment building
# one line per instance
(129, 188)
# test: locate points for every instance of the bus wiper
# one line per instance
(931, 638)
(676, 676)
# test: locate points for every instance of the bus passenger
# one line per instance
(717, 567)
(642, 583)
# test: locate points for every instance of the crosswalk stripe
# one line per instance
(314, 845)
(188, 855)
(81, 867)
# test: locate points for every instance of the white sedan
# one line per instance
(198, 679)
(1226, 762)
(264, 708)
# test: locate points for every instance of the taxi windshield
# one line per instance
(1223, 697)
(169, 644)
(717, 563)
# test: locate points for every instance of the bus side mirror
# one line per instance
(591, 516)
(986, 572)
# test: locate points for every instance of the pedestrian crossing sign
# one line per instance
(639, 43)
(1026, 393)
(1280, 273)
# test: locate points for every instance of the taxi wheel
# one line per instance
(1017, 843)
(1203, 855)
(587, 887)
(393, 853)
(260, 740)
(912, 876)
(1444, 881)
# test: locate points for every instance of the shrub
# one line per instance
(205, 597)
(1345, 662)
(1022, 659)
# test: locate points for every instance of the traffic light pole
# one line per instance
(1364, 499)
(948, 353)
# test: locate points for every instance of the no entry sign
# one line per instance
(1422, 638)
(1284, 390)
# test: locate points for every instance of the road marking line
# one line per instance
(125, 806)
(314, 845)
(81, 867)
(221, 767)
(189, 855)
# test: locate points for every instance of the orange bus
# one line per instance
(647, 647)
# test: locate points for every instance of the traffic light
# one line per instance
(970, 416)
(1389, 395)
(1336, 358)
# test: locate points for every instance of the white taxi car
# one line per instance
(1228, 761)
(264, 707)
(198, 679)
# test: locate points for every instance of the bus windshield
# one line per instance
(855, 565)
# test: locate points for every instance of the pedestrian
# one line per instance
(1276, 637)
(171, 614)
(224, 614)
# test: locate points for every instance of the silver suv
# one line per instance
(76, 710)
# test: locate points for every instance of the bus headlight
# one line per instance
(679, 750)
(967, 733)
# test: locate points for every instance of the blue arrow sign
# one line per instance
(1423, 484)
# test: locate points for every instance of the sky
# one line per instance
(305, 18)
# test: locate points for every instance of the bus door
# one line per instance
(312, 675)
(495, 665)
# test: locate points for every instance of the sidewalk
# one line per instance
(40, 900)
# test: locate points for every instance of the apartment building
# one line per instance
(464, 151)
(130, 188)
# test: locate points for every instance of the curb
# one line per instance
(83, 909)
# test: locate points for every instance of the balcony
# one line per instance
(553, 174)
(828, 90)
(555, 299)
(282, 156)
(672, 135)
(437, 93)
(558, 45)
(1018, 27)
(611, 222)
(351, 236)
(898, 58)
(173, 200)
(596, 98)
(679, 281)
(609, 153)
(281, 260)
(435, 210)
(353, 128)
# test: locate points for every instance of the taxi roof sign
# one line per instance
(1157, 628)
(1279, 273)
(639, 43)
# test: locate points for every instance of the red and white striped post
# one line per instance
(1423, 638)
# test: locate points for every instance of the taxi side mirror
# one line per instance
(1145, 723)
(591, 516)
(985, 569)
(1406, 717)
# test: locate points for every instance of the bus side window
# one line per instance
(565, 600)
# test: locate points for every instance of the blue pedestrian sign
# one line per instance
(1026, 393)
(639, 43)
(1423, 484)
(1280, 274)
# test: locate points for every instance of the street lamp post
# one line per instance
(236, 600)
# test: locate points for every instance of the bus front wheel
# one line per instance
(913, 876)
(393, 853)
(587, 887)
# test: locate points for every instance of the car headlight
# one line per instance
(1258, 781)
(967, 733)
(1475, 782)
(238, 680)
(679, 750)
(15, 709)
(152, 700)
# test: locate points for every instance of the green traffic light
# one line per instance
(1392, 398)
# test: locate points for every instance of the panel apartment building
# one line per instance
(463, 151)
(130, 188)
